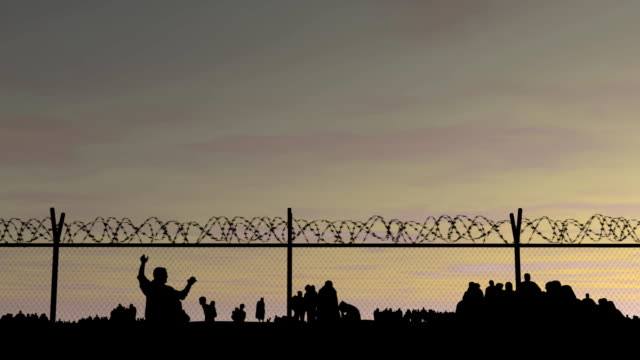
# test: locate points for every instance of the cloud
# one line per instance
(472, 146)
(603, 93)
(40, 197)
(424, 19)
(370, 267)
(27, 204)
(46, 141)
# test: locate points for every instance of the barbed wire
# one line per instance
(447, 229)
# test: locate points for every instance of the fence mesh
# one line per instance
(93, 281)
(25, 280)
(610, 273)
(410, 278)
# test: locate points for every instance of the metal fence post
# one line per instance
(56, 232)
(516, 227)
(289, 261)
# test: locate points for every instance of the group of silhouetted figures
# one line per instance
(238, 315)
(529, 304)
(124, 314)
(164, 303)
(498, 305)
(21, 319)
(414, 316)
(322, 306)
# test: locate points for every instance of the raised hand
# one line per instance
(191, 280)
(144, 259)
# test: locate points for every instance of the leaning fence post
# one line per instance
(56, 232)
(289, 261)
(516, 227)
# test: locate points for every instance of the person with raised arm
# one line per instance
(163, 303)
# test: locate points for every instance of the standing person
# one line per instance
(209, 310)
(238, 315)
(163, 303)
(310, 298)
(260, 310)
(297, 303)
(327, 310)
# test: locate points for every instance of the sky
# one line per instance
(187, 110)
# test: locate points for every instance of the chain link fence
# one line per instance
(372, 264)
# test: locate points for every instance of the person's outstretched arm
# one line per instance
(142, 279)
(183, 294)
(143, 262)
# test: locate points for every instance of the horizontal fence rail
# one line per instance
(222, 230)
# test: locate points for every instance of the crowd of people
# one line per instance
(497, 304)
(164, 303)
(558, 303)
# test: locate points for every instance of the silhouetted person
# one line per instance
(260, 310)
(508, 288)
(376, 315)
(529, 288)
(470, 308)
(407, 317)
(163, 302)
(133, 311)
(348, 312)
(123, 315)
(242, 313)
(20, 317)
(473, 293)
(607, 312)
(490, 291)
(238, 315)
(588, 302)
(508, 302)
(328, 304)
(297, 305)
(209, 310)
(310, 302)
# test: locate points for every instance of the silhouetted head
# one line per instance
(527, 277)
(203, 300)
(241, 306)
(300, 293)
(328, 283)
(553, 286)
(508, 286)
(261, 299)
(587, 295)
(212, 303)
(491, 282)
(160, 275)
